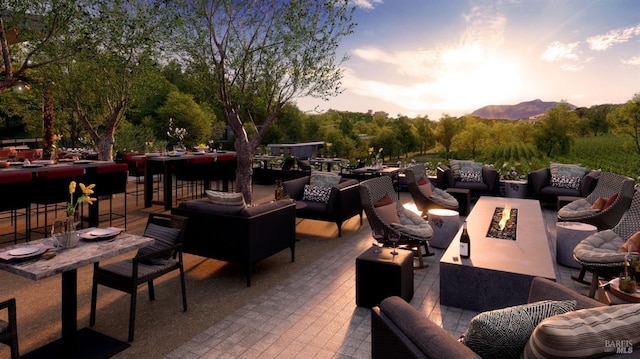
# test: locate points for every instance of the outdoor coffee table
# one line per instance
(74, 343)
(500, 271)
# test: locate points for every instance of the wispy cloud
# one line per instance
(616, 36)
(558, 51)
(634, 61)
(366, 4)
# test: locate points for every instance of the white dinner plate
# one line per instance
(102, 231)
(42, 162)
(81, 162)
(24, 251)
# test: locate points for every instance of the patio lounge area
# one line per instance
(304, 309)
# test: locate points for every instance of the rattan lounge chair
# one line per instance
(439, 198)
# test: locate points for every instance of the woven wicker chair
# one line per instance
(608, 185)
(439, 199)
(599, 254)
(414, 231)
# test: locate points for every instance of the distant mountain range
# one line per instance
(523, 110)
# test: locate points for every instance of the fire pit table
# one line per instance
(500, 270)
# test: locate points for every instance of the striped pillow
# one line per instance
(586, 333)
(503, 333)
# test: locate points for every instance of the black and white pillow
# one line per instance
(503, 333)
(561, 181)
(470, 176)
(316, 193)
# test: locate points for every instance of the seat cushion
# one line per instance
(579, 208)
(444, 199)
(600, 249)
(586, 333)
(503, 333)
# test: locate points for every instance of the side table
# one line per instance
(568, 235)
(463, 195)
(445, 224)
(515, 188)
(382, 275)
(609, 294)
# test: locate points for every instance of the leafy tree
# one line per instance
(406, 136)
(186, 113)
(470, 140)
(262, 54)
(446, 129)
(424, 132)
(37, 33)
(551, 135)
(99, 83)
(597, 118)
(626, 120)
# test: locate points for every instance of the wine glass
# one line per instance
(58, 229)
(394, 237)
(378, 235)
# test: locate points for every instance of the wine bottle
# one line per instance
(279, 193)
(465, 242)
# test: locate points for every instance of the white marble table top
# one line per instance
(86, 252)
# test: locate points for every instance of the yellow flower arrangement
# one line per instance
(85, 197)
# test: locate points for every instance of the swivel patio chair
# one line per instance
(599, 253)
(8, 328)
(380, 202)
(152, 262)
(427, 198)
(609, 184)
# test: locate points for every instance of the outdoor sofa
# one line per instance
(342, 203)
(541, 186)
(398, 330)
(485, 182)
(238, 234)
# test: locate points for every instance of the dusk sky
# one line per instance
(429, 57)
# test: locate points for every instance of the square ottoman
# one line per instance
(382, 275)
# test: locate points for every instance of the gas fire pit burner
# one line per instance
(509, 230)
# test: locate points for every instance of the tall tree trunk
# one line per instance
(244, 169)
(48, 118)
(105, 147)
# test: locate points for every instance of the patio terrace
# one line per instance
(304, 309)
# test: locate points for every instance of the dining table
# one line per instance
(165, 164)
(42, 258)
(328, 161)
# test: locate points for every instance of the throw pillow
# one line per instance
(422, 181)
(586, 333)
(470, 171)
(324, 179)
(503, 333)
(560, 181)
(383, 201)
(316, 193)
(426, 189)
(388, 213)
(226, 198)
(164, 237)
(632, 244)
(455, 168)
(610, 201)
(598, 203)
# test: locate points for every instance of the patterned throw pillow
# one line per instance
(470, 171)
(316, 193)
(503, 333)
(565, 181)
(586, 333)
(470, 176)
